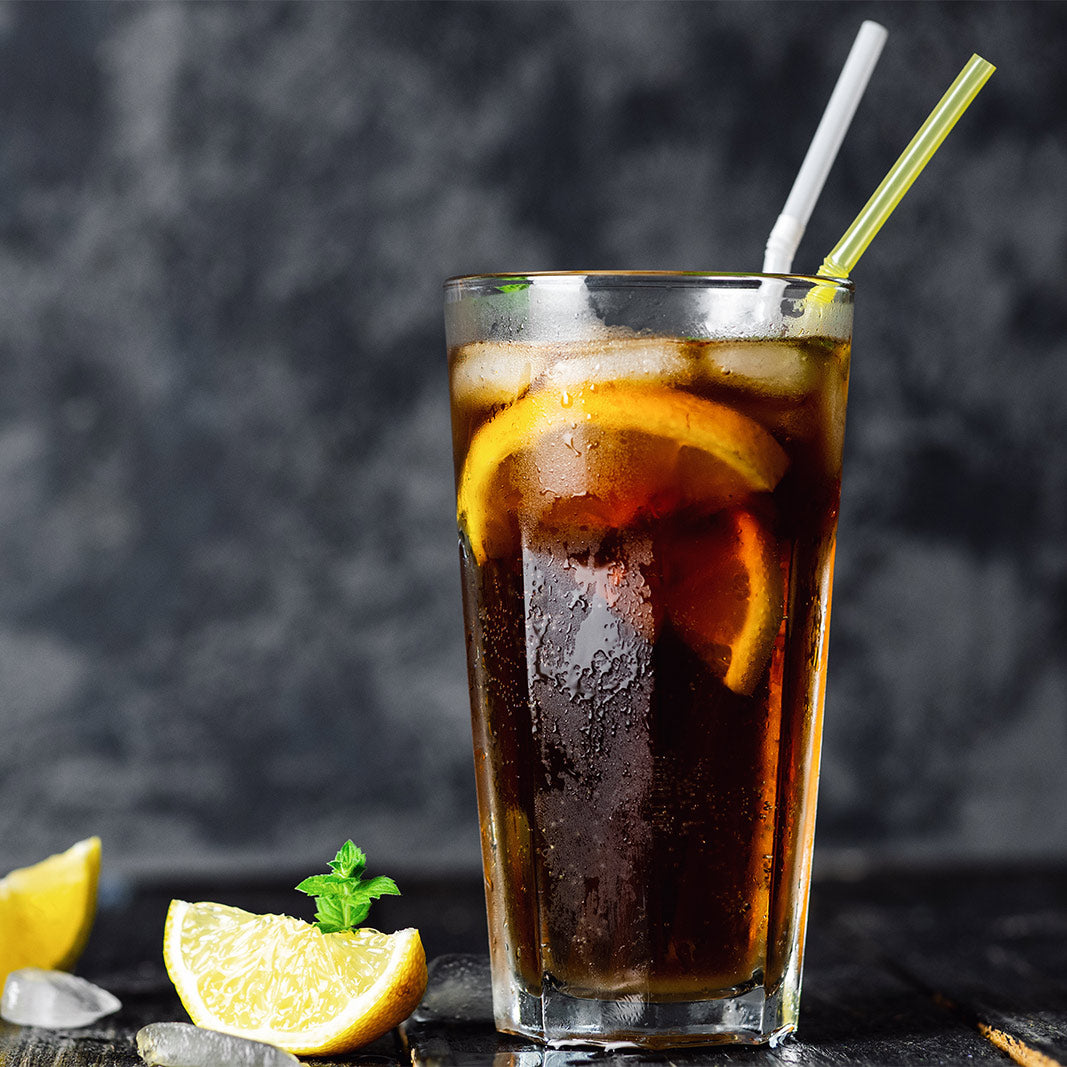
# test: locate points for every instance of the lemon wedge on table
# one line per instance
(47, 910)
(280, 980)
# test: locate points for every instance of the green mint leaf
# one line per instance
(355, 913)
(343, 898)
(513, 287)
(349, 861)
(380, 887)
(330, 914)
(320, 883)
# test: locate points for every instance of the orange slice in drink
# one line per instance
(606, 454)
(723, 594)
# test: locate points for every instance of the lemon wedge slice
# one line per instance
(47, 910)
(276, 979)
(723, 591)
(609, 452)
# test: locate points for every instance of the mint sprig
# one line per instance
(343, 898)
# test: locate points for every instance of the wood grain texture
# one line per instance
(990, 947)
(904, 968)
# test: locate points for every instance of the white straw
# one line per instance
(788, 230)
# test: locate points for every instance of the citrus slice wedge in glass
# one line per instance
(723, 594)
(280, 980)
(47, 910)
(604, 454)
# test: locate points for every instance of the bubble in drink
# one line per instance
(54, 999)
(185, 1045)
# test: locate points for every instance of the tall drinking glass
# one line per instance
(648, 471)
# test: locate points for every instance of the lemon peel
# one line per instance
(725, 597)
(632, 446)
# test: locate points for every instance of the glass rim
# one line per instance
(648, 277)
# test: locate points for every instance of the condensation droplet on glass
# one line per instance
(568, 441)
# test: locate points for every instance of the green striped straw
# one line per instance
(847, 251)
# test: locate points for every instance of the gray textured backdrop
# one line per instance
(229, 597)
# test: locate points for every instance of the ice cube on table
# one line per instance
(54, 999)
(459, 990)
(185, 1045)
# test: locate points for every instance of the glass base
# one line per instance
(556, 1018)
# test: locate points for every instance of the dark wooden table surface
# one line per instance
(904, 966)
